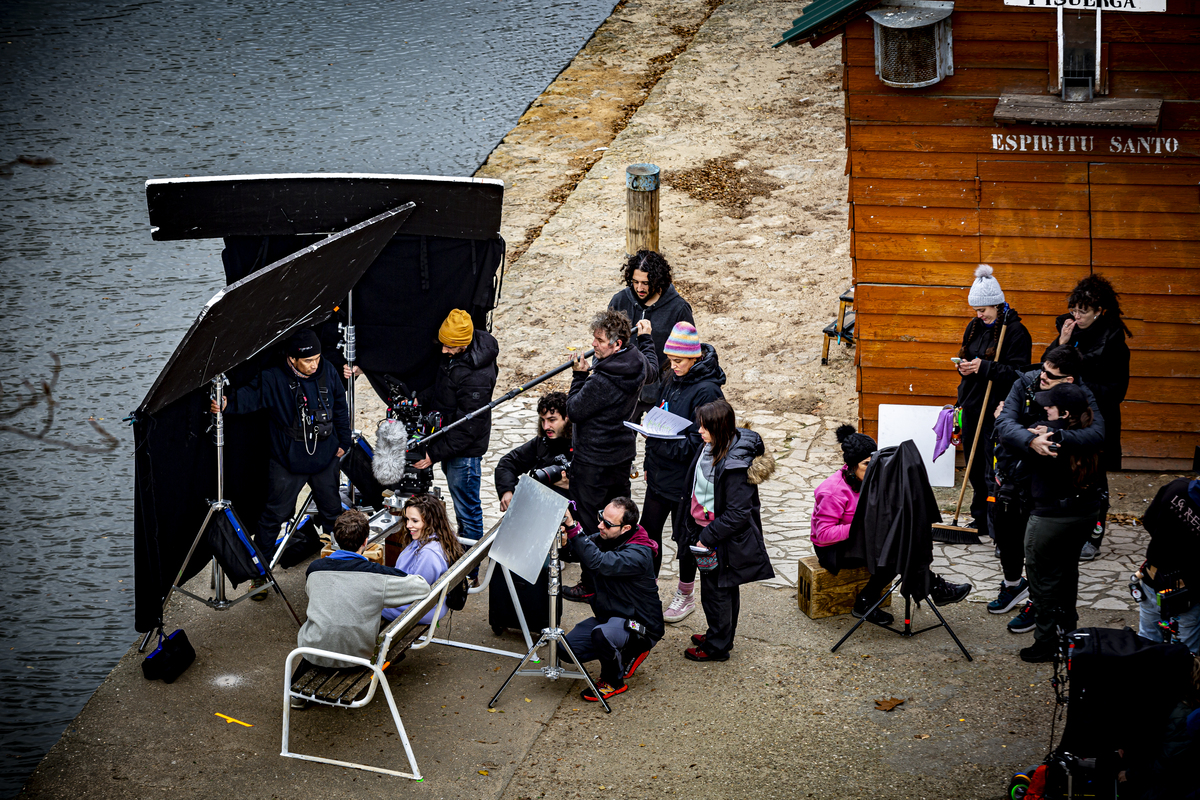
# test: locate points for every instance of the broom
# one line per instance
(961, 534)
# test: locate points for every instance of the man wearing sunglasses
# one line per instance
(1019, 415)
(628, 617)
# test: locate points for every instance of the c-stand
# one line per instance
(217, 507)
(553, 636)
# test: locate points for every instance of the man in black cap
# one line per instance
(310, 431)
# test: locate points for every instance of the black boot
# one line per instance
(878, 616)
(579, 593)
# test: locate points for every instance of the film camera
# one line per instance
(398, 444)
(550, 474)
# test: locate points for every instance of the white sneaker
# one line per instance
(681, 606)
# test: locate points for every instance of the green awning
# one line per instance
(823, 16)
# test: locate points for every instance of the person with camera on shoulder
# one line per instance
(602, 397)
(627, 619)
(1172, 565)
(551, 448)
(465, 381)
(309, 433)
(650, 295)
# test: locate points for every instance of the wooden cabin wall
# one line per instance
(936, 189)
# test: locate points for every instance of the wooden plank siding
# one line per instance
(937, 187)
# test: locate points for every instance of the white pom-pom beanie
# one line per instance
(985, 291)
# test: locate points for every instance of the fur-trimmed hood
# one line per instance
(749, 452)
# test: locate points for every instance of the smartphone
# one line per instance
(955, 360)
(699, 549)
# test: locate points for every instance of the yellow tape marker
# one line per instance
(231, 719)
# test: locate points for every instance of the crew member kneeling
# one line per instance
(628, 617)
(310, 431)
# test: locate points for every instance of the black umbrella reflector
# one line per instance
(246, 317)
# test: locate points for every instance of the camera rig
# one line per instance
(403, 407)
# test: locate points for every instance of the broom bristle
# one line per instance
(953, 534)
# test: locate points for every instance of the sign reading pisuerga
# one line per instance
(1104, 5)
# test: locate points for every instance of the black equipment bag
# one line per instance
(456, 598)
(534, 599)
(234, 547)
(304, 543)
(356, 465)
(173, 655)
(1104, 664)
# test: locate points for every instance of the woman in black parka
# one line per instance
(723, 514)
(979, 364)
(1093, 326)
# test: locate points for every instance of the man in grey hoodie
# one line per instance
(650, 295)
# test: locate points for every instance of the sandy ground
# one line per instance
(754, 222)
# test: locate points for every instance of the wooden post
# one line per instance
(641, 208)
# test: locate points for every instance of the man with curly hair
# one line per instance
(602, 397)
(650, 295)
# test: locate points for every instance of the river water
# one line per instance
(117, 93)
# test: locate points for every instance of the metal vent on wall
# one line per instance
(913, 42)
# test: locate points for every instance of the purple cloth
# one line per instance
(942, 429)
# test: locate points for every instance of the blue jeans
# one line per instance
(463, 477)
(1148, 618)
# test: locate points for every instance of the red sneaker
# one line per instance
(698, 639)
(637, 662)
(606, 691)
(700, 654)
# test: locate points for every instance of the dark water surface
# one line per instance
(118, 93)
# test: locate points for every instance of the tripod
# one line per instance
(555, 637)
(907, 631)
(217, 507)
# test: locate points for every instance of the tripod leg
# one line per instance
(195, 542)
(292, 527)
(545, 637)
(585, 675)
(949, 630)
(863, 619)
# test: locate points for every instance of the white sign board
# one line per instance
(900, 423)
(1159, 6)
(528, 528)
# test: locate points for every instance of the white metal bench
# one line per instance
(355, 687)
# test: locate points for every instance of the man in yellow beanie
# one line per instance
(465, 381)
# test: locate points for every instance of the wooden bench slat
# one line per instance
(347, 685)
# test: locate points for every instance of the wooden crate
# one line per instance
(822, 594)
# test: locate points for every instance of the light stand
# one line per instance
(348, 350)
(220, 506)
(907, 632)
(555, 637)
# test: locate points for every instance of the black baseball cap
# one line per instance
(1066, 397)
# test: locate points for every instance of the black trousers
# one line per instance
(282, 490)
(655, 510)
(979, 484)
(721, 609)
(1008, 523)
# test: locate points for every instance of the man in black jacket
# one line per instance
(627, 617)
(310, 431)
(650, 295)
(464, 383)
(602, 397)
(551, 446)
(1172, 563)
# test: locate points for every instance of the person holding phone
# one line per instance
(978, 364)
(722, 521)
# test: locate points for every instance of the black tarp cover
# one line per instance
(893, 524)
(399, 303)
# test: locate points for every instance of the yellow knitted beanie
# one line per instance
(457, 330)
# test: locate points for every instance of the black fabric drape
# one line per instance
(396, 323)
(891, 530)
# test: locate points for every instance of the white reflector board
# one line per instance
(528, 528)
(899, 423)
